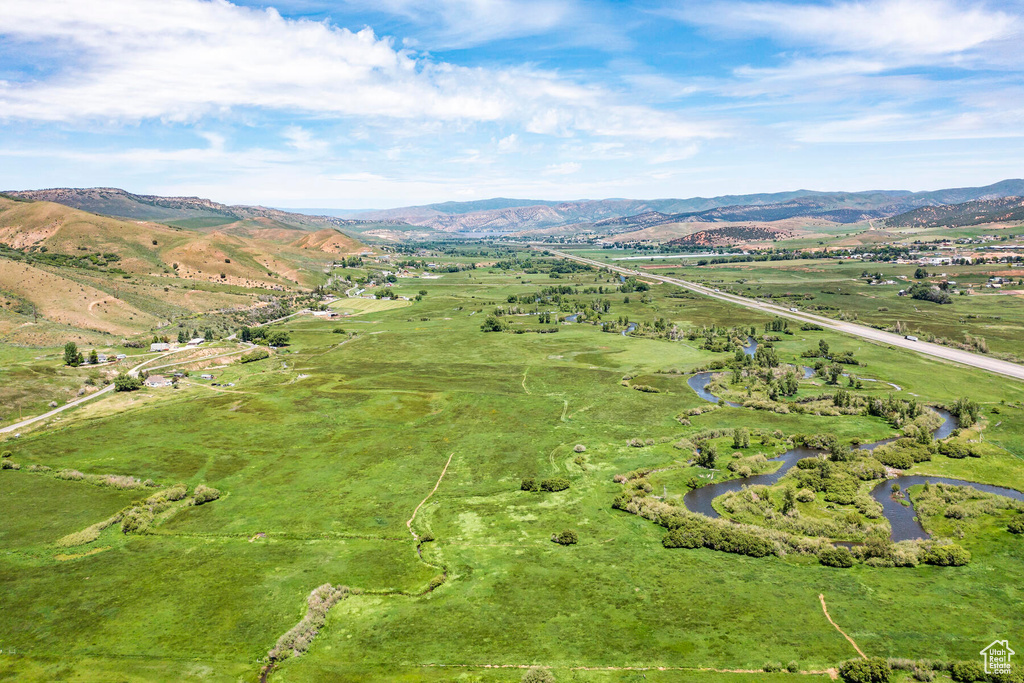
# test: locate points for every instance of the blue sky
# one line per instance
(380, 103)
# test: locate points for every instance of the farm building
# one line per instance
(160, 346)
(157, 381)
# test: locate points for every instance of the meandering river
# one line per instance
(901, 517)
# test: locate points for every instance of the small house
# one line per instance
(160, 346)
(206, 376)
(157, 381)
(122, 356)
(101, 358)
(196, 341)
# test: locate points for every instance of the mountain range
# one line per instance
(609, 216)
(182, 212)
(503, 215)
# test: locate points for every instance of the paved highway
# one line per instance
(975, 360)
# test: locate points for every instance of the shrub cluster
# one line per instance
(692, 531)
(254, 355)
(137, 518)
(298, 638)
(870, 670)
(118, 481)
(204, 494)
(958, 450)
(838, 556)
(960, 502)
(565, 537)
(125, 382)
(537, 675)
(948, 555)
(967, 672)
(552, 484)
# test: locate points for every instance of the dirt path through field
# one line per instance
(92, 304)
(434, 490)
(821, 596)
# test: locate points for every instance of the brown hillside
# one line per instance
(330, 241)
(67, 302)
(717, 237)
(229, 255)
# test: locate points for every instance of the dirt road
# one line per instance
(110, 387)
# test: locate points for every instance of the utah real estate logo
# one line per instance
(997, 657)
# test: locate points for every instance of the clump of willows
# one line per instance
(298, 638)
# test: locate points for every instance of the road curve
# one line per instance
(975, 360)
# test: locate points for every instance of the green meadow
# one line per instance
(838, 289)
(322, 453)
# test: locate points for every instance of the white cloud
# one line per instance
(464, 23)
(871, 70)
(894, 126)
(358, 177)
(567, 168)
(509, 143)
(303, 140)
(183, 60)
(902, 28)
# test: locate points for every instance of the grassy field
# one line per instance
(323, 451)
(360, 305)
(834, 287)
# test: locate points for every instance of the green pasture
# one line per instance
(323, 451)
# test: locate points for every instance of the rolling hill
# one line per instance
(185, 212)
(81, 271)
(248, 253)
(722, 236)
(1001, 210)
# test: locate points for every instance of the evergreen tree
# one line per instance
(71, 355)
